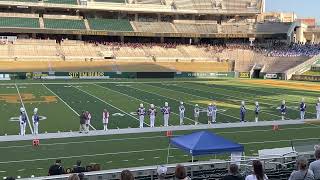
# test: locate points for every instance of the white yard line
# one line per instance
(137, 99)
(235, 97)
(80, 156)
(142, 151)
(24, 109)
(109, 104)
(238, 118)
(65, 103)
(93, 141)
(157, 137)
(270, 92)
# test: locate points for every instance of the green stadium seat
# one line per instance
(64, 24)
(19, 22)
(61, 1)
(110, 24)
(34, 1)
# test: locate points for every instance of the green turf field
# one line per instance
(61, 103)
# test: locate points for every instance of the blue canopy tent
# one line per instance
(204, 143)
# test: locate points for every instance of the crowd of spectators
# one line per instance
(302, 172)
(272, 48)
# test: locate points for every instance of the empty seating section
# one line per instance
(164, 53)
(235, 28)
(196, 28)
(156, 27)
(202, 4)
(111, 1)
(183, 4)
(236, 4)
(110, 24)
(61, 1)
(196, 52)
(281, 64)
(19, 22)
(64, 24)
(272, 27)
(4, 51)
(34, 1)
(130, 53)
(80, 51)
(148, 2)
(185, 28)
(39, 51)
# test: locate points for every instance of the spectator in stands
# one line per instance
(303, 173)
(181, 173)
(81, 176)
(258, 172)
(126, 175)
(56, 169)
(161, 172)
(78, 168)
(315, 165)
(233, 173)
(74, 177)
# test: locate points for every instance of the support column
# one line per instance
(161, 39)
(122, 39)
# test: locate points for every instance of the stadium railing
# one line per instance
(305, 65)
(275, 167)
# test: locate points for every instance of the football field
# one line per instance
(60, 104)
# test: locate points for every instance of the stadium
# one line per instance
(159, 87)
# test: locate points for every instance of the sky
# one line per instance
(303, 8)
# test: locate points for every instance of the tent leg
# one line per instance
(168, 154)
(192, 159)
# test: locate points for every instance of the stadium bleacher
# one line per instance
(19, 22)
(33, 1)
(109, 24)
(153, 27)
(71, 2)
(64, 24)
(111, 1)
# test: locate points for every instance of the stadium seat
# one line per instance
(34, 1)
(61, 1)
(64, 24)
(111, 1)
(19, 22)
(110, 24)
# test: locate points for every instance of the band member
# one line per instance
(214, 112)
(243, 111)
(283, 109)
(152, 112)
(318, 108)
(88, 121)
(257, 111)
(196, 114)
(303, 108)
(105, 119)
(181, 112)
(210, 113)
(35, 119)
(141, 113)
(166, 113)
(23, 121)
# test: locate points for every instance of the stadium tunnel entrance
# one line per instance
(256, 73)
(155, 74)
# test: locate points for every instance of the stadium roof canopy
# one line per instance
(204, 143)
